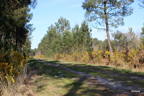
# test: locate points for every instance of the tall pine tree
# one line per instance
(107, 13)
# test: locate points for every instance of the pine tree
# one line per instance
(76, 41)
(62, 40)
(142, 35)
(62, 24)
(14, 29)
(67, 42)
(14, 41)
(51, 43)
(85, 36)
(107, 13)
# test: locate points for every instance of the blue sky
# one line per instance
(47, 12)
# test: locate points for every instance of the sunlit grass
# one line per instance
(55, 81)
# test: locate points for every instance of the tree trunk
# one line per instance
(108, 36)
(126, 52)
(107, 28)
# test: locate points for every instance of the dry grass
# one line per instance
(55, 81)
(16, 90)
(134, 61)
(19, 88)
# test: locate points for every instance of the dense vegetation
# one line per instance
(108, 13)
(124, 50)
(14, 37)
(60, 39)
(63, 42)
(76, 44)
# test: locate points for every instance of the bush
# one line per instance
(133, 59)
(11, 65)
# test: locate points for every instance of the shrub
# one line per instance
(11, 65)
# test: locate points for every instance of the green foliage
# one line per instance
(97, 44)
(67, 40)
(127, 40)
(14, 30)
(27, 48)
(60, 39)
(14, 41)
(62, 24)
(51, 42)
(142, 35)
(11, 66)
(115, 10)
(107, 13)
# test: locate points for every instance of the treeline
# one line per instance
(77, 44)
(14, 38)
(125, 50)
(62, 39)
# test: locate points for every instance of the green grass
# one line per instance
(54, 81)
(47, 86)
(50, 81)
(108, 72)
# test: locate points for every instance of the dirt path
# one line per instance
(118, 86)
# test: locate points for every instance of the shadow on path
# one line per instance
(84, 84)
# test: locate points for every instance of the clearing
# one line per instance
(55, 78)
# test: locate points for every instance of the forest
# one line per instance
(69, 60)
(77, 44)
